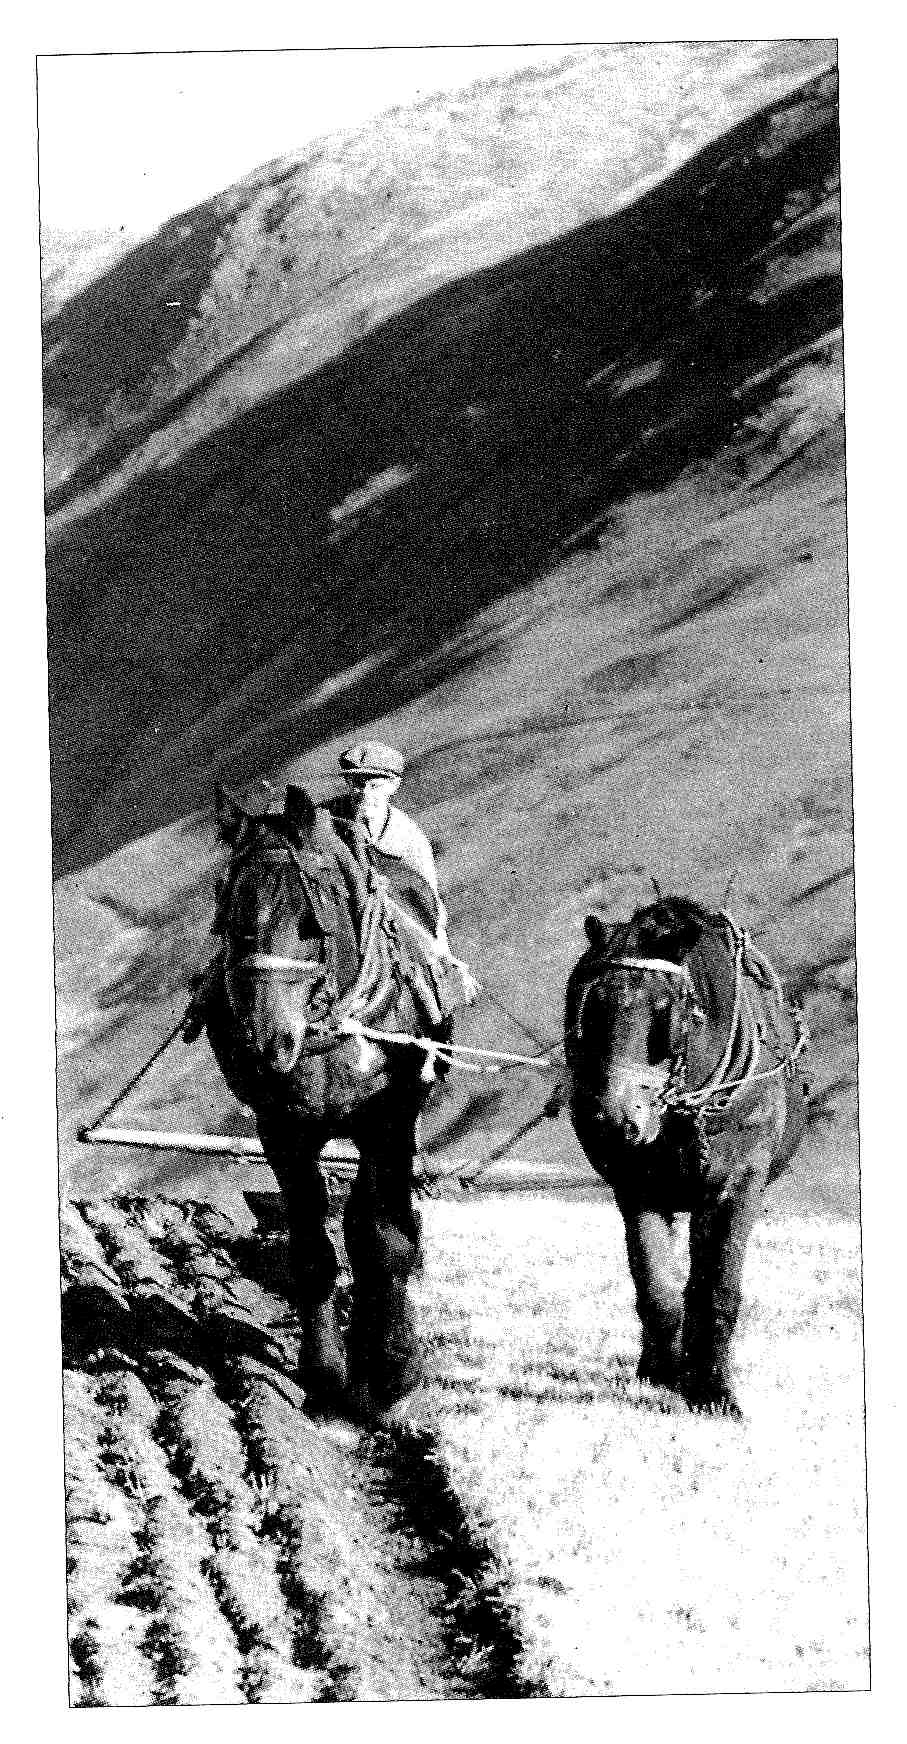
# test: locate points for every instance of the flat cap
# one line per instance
(371, 757)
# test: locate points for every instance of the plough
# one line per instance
(339, 1158)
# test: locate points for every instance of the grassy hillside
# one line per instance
(570, 527)
(247, 292)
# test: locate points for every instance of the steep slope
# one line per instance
(454, 448)
(250, 291)
(571, 528)
(72, 259)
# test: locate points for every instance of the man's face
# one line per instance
(372, 795)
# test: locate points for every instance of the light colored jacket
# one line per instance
(403, 840)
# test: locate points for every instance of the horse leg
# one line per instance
(719, 1232)
(659, 1303)
(313, 1265)
(382, 1230)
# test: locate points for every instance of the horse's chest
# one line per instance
(664, 1174)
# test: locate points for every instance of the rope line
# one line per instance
(139, 1075)
(455, 1052)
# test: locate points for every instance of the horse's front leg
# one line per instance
(293, 1156)
(382, 1229)
(659, 1304)
(719, 1231)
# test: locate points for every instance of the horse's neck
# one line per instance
(714, 980)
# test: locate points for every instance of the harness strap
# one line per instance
(743, 1048)
(295, 967)
(718, 1076)
(659, 965)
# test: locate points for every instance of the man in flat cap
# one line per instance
(373, 772)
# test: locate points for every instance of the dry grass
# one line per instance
(652, 1549)
(306, 255)
(544, 1525)
(607, 654)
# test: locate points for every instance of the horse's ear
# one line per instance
(299, 810)
(231, 819)
(596, 931)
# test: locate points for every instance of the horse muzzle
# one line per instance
(282, 1049)
(260, 993)
(634, 1102)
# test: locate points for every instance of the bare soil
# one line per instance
(222, 1547)
(566, 520)
(541, 1524)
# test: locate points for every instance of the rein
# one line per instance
(348, 1018)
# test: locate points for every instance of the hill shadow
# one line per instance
(302, 570)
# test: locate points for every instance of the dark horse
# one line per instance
(313, 945)
(686, 1095)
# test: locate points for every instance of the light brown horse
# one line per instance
(686, 1093)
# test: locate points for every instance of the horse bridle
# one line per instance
(289, 968)
(334, 1012)
(668, 1090)
(744, 1032)
(317, 970)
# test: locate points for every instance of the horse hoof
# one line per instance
(341, 1432)
(713, 1402)
(659, 1374)
(325, 1391)
(379, 1410)
(400, 1412)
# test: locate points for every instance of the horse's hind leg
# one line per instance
(382, 1233)
(313, 1264)
(650, 1251)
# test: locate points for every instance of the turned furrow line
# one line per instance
(288, 1521)
(166, 1578)
(263, 1672)
(206, 1458)
(162, 1578)
(217, 1302)
(195, 1244)
(374, 1619)
(482, 1626)
(102, 1528)
(225, 1306)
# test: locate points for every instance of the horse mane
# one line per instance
(305, 828)
(301, 823)
(671, 926)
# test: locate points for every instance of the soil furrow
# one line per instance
(160, 1311)
(207, 1458)
(275, 1561)
(183, 1253)
(90, 1288)
(191, 1647)
(376, 1627)
(102, 1527)
(482, 1635)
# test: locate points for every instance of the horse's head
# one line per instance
(637, 1008)
(288, 926)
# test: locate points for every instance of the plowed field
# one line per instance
(541, 1524)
